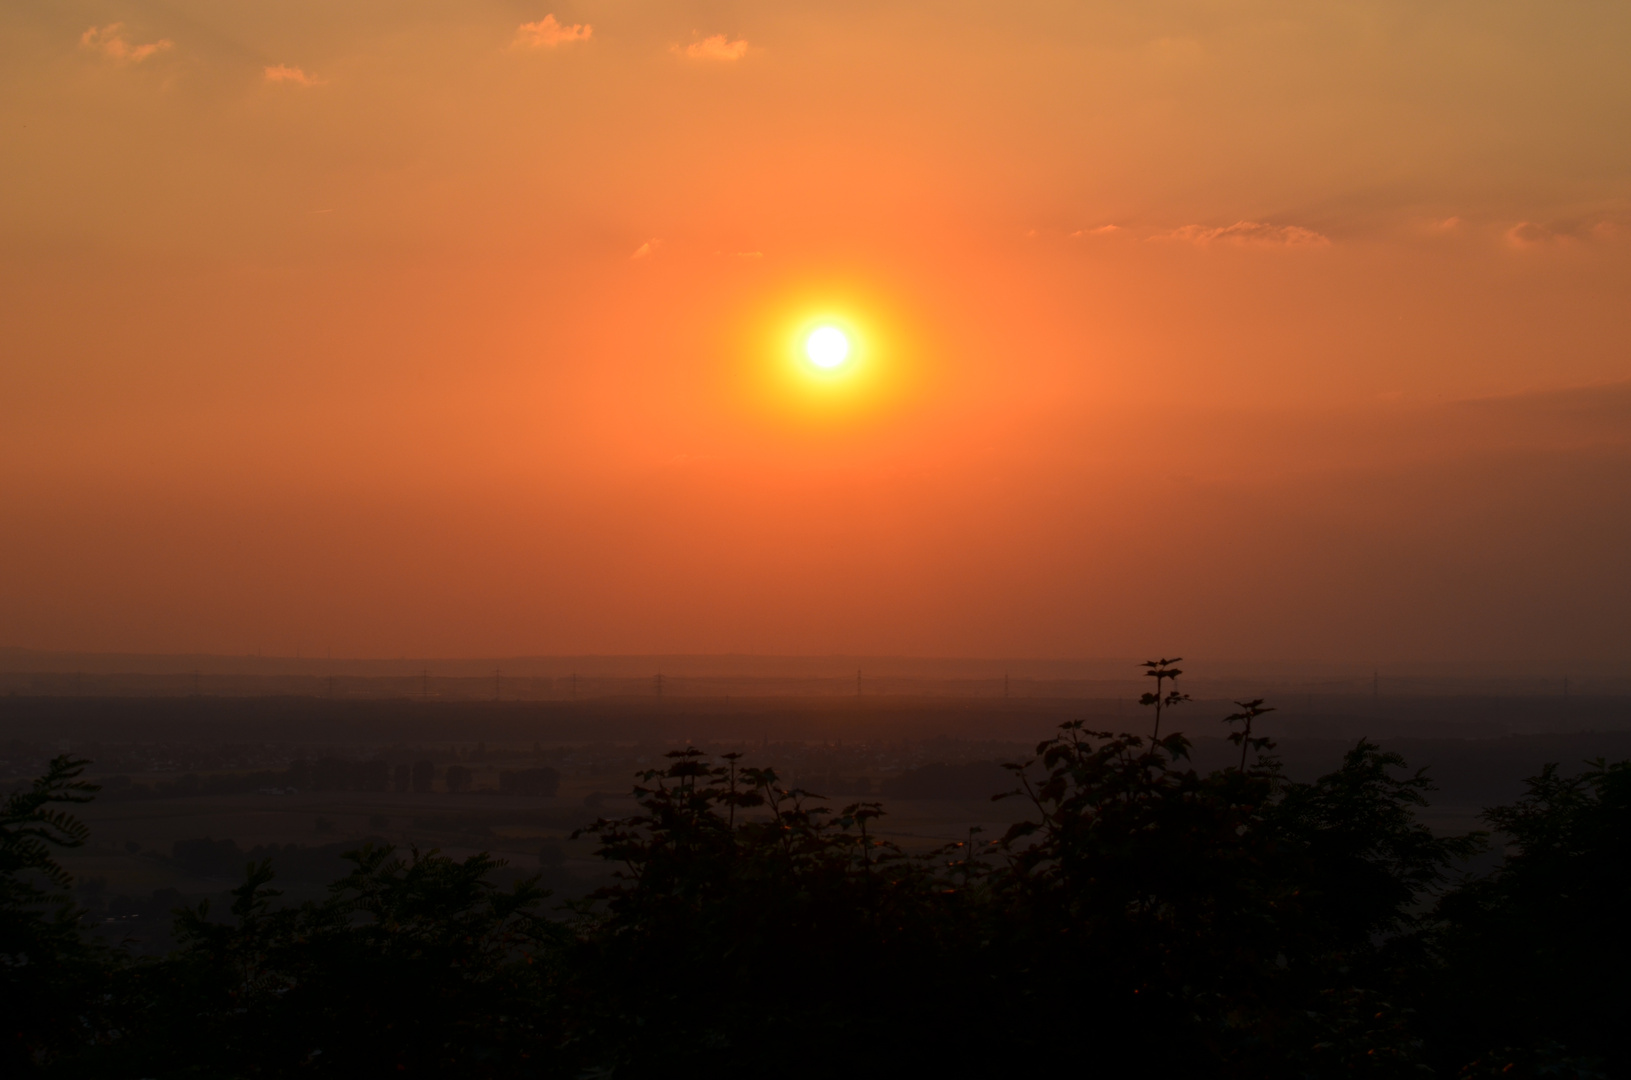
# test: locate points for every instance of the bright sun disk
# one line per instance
(827, 347)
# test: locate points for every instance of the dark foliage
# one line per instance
(1143, 918)
(1228, 921)
(751, 916)
(1162, 671)
(413, 963)
(51, 973)
(1534, 957)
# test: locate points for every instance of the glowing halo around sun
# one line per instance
(827, 363)
(827, 347)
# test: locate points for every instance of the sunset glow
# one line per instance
(544, 310)
(504, 458)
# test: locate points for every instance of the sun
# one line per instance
(834, 361)
(827, 347)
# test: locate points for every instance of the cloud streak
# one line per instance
(1248, 234)
(548, 32)
(1530, 234)
(111, 42)
(283, 73)
(715, 49)
(1526, 235)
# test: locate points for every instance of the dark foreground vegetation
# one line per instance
(1145, 918)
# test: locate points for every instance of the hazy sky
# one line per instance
(1240, 329)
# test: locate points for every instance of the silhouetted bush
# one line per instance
(1532, 959)
(53, 976)
(412, 964)
(1142, 919)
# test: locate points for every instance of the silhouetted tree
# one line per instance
(1532, 958)
(51, 974)
(1143, 918)
(414, 964)
(750, 915)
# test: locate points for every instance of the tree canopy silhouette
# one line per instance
(1141, 916)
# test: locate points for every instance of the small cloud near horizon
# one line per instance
(1102, 230)
(647, 249)
(549, 32)
(1528, 234)
(717, 47)
(110, 41)
(283, 73)
(1248, 233)
(1532, 234)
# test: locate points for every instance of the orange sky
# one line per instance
(1227, 328)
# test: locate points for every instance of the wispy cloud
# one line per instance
(1248, 233)
(647, 249)
(1102, 230)
(1530, 234)
(549, 32)
(283, 73)
(718, 47)
(111, 42)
